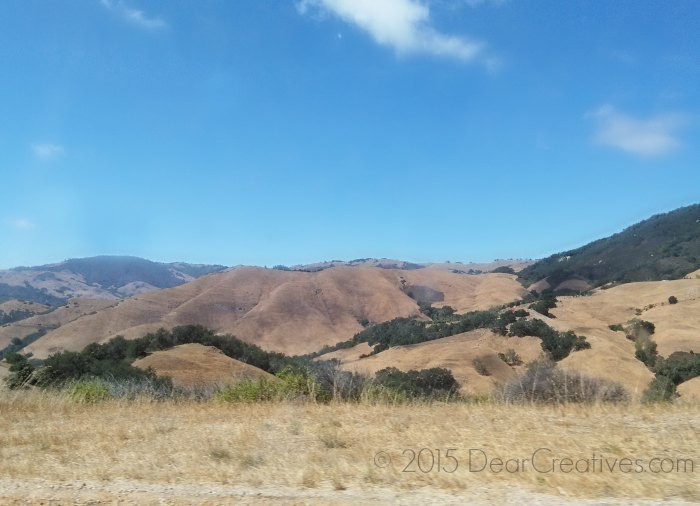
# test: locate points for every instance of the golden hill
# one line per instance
(611, 355)
(287, 311)
(73, 310)
(690, 390)
(456, 353)
(191, 365)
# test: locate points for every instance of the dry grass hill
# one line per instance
(611, 355)
(287, 311)
(690, 390)
(47, 321)
(456, 353)
(192, 365)
(21, 305)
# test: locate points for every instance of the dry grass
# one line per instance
(311, 448)
(290, 312)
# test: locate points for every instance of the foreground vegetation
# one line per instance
(187, 452)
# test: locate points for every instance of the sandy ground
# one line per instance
(129, 492)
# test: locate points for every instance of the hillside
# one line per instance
(456, 353)
(35, 325)
(291, 312)
(387, 263)
(611, 356)
(665, 246)
(191, 365)
(15, 310)
(102, 277)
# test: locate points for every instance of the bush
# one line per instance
(544, 383)
(89, 392)
(660, 389)
(291, 384)
(480, 367)
(543, 305)
(558, 345)
(645, 351)
(637, 328)
(436, 313)
(616, 328)
(250, 390)
(505, 269)
(672, 300)
(510, 357)
(679, 367)
(21, 371)
(426, 383)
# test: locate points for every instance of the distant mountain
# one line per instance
(388, 263)
(101, 277)
(665, 246)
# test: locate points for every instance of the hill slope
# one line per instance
(291, 312)
(191, 365)
(611, 356)
(665, 246)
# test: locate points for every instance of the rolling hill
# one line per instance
(611, 356)
(665, 246)
(289, 311)
(192, 365)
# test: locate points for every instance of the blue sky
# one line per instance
(287, 131)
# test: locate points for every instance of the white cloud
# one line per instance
(403, 25)
(135, 16)
(653, 136)
(22, 224)
(47, 151)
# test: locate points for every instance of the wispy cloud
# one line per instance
(133, 15)
(653, 136)
(21, 223)
(403, 25)
(48, 151)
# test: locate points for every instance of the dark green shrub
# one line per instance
(543, 305)
(21, 371)
(637, 328)
(679, 367)
(505, 269)
(426, 383)
(645, 351)
(660, 389)
(558, 345)
(672, 300)
(616, 328)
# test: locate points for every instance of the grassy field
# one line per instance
(54, 449)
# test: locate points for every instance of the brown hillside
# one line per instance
(455, 353)
(20, 305)
(191, 365)
(611, 355)
(74, 309)
(690, 390)
(292, 312)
